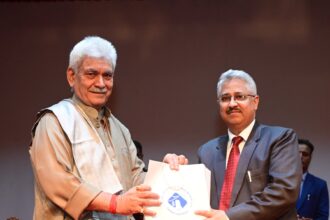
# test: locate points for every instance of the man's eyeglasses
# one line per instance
(237, 98)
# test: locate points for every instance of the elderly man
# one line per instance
(83, 158)
(255, 168)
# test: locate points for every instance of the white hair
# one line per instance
(92, 46)
(236, 74)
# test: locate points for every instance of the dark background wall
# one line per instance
(171, 54)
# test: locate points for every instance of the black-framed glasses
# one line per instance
(237, 98)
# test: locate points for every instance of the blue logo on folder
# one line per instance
(176, 200)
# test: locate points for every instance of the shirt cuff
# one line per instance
(81, 199)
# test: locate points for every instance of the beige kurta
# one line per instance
(60, 192)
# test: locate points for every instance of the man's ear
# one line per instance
(256, 102)
(70, 76)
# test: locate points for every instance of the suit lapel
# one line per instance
(244, 161)
(220, 164)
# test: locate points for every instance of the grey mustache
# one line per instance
(98, 90)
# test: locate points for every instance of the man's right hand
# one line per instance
(175, 160)
(135, 200)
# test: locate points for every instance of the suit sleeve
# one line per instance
(323, 206)
(279, 191)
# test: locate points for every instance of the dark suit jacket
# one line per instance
(272, 158)
(314, 200)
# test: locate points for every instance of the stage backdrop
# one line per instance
(171, 54)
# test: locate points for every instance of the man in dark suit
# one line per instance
(265, 183)
(313, 202)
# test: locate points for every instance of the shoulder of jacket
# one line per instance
(318, 179)
(274, 129)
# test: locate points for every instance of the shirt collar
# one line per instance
(91, 112)
(244, 134)
(303, 177)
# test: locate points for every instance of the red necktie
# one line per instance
(228, 183)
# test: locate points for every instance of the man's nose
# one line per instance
(232, 101)
(99, 81)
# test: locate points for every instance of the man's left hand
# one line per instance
(212, 214)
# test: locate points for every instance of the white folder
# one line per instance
(181, 192)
